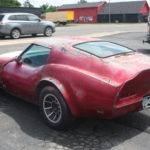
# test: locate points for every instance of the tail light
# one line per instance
(127, 95)
(127, 91)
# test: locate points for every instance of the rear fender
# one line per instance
(57, 84)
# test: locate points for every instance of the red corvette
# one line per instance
(74, 77)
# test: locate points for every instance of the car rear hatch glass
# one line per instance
(102, 48)
(1, 17)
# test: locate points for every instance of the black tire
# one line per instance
(15, 34)
(48, 31)
(63, 117)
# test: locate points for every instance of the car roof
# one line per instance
(64, 41)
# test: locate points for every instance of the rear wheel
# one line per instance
(54, 109)
(48, 31)
(15, 34)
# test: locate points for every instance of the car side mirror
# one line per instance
(39, 20)
(18, 61)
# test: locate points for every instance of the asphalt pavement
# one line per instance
(21, 127)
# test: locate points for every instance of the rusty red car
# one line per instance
(71, 77)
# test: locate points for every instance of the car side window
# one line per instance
(35, 55)
(13, 17)
(33, 18)
(18, 17)
(22, 17)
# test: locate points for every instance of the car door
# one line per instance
(35, 24)
(21, 76)
(21, 22)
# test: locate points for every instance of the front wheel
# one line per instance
(54, 109)
(48, 31)
(15, 34)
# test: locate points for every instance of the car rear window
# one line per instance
(102, 49)
(1, 17)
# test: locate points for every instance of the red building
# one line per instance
(84, 13)
(131, 11)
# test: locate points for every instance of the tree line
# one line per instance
(45, 7)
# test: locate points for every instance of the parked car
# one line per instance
(16, 24)
(76, 77)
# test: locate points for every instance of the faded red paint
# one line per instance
(92, 86)
(85, 15)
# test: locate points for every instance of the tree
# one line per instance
(48, 8)
(10, 3)
(83, 1)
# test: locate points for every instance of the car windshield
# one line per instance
(102, 49)
(1, 17)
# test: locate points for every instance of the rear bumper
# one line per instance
(120, 108)
(115, 110)
(132, 104)
(127, 106)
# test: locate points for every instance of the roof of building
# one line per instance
(132, 7)
(81, 5)
(36, 11)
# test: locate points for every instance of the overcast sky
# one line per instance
(61, 2)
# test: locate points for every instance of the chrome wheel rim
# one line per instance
(52, 108)
(15, 34)
(48, 32)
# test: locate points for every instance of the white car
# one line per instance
(16, 24)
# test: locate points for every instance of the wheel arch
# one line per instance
(17, 29)
(59, 86)
(48, 26)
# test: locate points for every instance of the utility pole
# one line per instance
(27, 3)
(109, 12)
